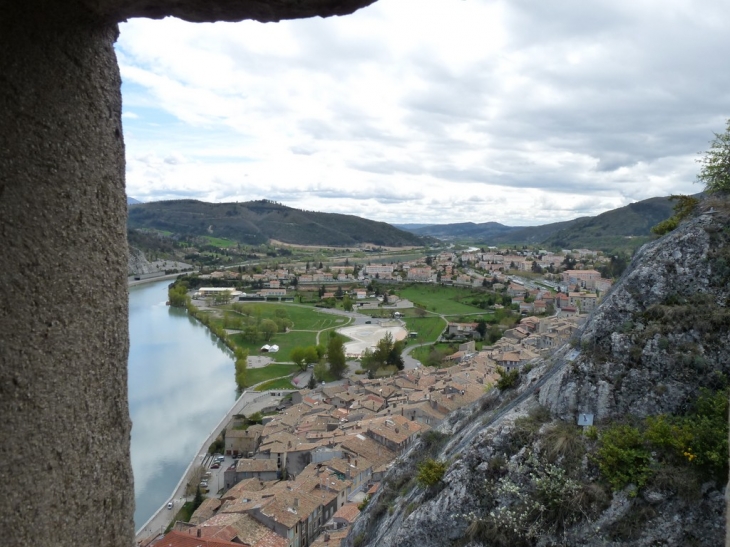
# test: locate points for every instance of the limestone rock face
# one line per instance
(660, 336)
(138, 263)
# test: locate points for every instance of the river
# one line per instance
(181, 383)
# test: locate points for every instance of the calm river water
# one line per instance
(181, 383)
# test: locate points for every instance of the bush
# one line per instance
(507, 379)
(430, 472)
(622, 457)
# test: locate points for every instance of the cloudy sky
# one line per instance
(430, 111)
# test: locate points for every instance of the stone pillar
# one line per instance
(64, 420)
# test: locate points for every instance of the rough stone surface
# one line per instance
(63, 302)
(660, 336)
(65, 424)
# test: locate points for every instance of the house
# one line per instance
(263, 470)
(581, 278)
(396, 432)
(345, 516)
(462, 329)
(240, 441)
(424, 273)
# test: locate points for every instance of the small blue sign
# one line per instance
(585, 419)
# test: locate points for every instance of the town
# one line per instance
(301, 469)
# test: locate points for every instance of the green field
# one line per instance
(304, 318)
(306, 321)
(439, 299)
(219, 241)
(428, 328)
(281, 383)
(286, 342)
(274, 370)
(423, 352)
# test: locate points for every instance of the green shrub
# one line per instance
(430, 472)
(507, 379)
(623, 458)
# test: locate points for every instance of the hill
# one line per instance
(257, 222)
(649, 369)
(623, 228)
(132, 201)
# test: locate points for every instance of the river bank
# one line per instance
(131, 281)
(248, 403)
(180, 383)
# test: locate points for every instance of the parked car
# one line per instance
(215, 465)
(169, 505)
(204, 484)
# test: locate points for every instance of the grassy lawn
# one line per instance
(286, 342)
(303, 318)
(428, 328)
(183, 515)
(422, 353)
(445, 300)
(274, 370)
(219, 241)
(281, 383)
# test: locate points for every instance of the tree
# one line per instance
(336, 355)
(198, 499)
(715, 164)
(347, 303)
(311, 355)
(320, 371)
(195, 477)
(178, 295)
(241, 367)
(569, 262)
(297, 355)
(269, 328)
(481, 327)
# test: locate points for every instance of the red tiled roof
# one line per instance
(178, 539)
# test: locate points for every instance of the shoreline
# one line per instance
(131, 282)
(163, 518)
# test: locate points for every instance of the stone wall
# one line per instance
(63, 282)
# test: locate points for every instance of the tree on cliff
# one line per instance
(715, 163)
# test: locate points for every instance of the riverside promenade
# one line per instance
(248, 403)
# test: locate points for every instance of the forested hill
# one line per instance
(257, 222)
(625, 227)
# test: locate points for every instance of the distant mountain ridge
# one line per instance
(625, 227)
(257, 222)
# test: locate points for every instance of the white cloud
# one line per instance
(430, 110)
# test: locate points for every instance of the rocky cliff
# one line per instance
(138, 263)
(651, 365)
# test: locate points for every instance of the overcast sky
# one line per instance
(430, 111)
